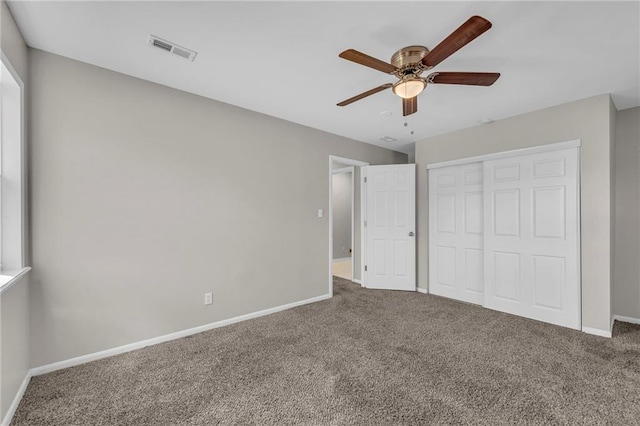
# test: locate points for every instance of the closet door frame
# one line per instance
(506, 154)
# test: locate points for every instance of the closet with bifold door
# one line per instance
(504, 232)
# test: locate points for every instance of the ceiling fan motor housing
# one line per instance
(409, 60)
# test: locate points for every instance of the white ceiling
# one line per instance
(281, 58)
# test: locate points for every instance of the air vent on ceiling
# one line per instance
(167, 46)
(388, 139)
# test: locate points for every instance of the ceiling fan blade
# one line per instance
(470, 78)
(409, 106)
(467, 32)
(365, 94)
(368, 61)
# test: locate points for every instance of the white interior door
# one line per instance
(531, 243)
(456, 232)
(390, 261)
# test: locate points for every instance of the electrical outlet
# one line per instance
(208, 298)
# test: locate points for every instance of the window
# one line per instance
(12, 221)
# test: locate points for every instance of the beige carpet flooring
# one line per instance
(364, 357)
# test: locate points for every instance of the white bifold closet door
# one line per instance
(456, 228)
(531, 240)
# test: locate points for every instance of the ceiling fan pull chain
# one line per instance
(407, 124)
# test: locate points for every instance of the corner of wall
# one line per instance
(612, 204)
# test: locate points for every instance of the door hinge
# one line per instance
(365, 179)
(365, 223)
(365, 268)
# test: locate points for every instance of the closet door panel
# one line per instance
(531, 244)
(456, 209)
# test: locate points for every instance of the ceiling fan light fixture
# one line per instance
(409, 87)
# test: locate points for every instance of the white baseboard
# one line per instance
(167, 337)
(16, 401)
(342, 259)
(421, 290)
(613, 320)
(597, 332)
(356, 281)
(626, 319)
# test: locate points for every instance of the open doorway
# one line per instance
(343, 186)
(345, 223)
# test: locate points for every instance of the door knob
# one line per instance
(411, 234)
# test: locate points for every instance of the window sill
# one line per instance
(10, 277)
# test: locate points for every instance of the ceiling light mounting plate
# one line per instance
(409, 55)
(408, 60)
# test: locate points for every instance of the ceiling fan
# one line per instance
(410, 62)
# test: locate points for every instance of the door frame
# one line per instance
(356, 163)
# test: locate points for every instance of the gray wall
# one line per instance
(14, 329)
(587, 120)
(342, 215)
(145, 197)
(14, 303)
(626, 290)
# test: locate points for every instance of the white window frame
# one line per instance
(12, 176)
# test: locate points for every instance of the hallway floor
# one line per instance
(342, 269)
